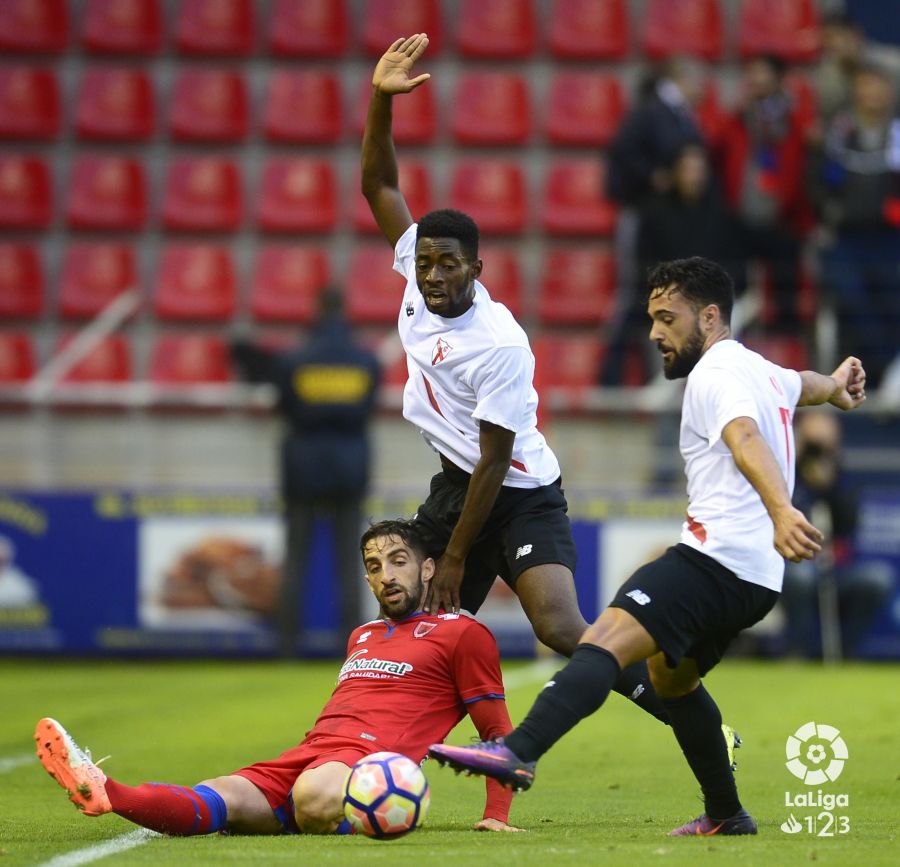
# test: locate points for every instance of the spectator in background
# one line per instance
(690, 218)
(855, 185)
(861, 588)
(639, 163)
(762, 160)
(326, 393)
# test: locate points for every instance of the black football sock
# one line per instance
(634, 683)
(572, 694)
(697, 724)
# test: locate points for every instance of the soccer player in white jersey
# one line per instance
(682, 610)
(497, 507)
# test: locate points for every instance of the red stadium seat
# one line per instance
(17, 358)
(195, 282)
(785, 351)
(577, 287)
(502, 276)
(209, 105)
(584, 109)
(34, 26)
(683, 27)
(107, 192)
(92, 276)
(574, 199)
(286, 283)
(203, 194)
(189, 359)
(589, 29)
(115, 104)
(21, 282)
(308, 28)
(492, 192)
(24, 192)
(215, 27)
(29, 103)
(491, 108)
(415, 184)
(414, 116)
(503, 29)
(123, 27)
(318, 93)
(787, 28)
(297, 195)
(374, 290)
(571, 361)
(108, 361)
(385, 21)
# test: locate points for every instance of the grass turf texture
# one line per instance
(608, 793)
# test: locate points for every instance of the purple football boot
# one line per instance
(487, 759)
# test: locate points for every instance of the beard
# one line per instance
(403, 606)
(684, 361)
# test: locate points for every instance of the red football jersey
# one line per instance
(406, 684)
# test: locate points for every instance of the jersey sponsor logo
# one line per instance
(409, 308)
(524, 551)
(364, 636)
(441, 350)
(449, 616)
(358, 664)
(422, 629)
(639, 596)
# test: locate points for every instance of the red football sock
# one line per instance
(163, 807)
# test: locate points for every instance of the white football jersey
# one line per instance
(475, 367)
(726, 518)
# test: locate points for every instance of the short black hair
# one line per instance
(402, 528)
(448, 223)
(700, 281)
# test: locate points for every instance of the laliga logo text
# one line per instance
(816, 754)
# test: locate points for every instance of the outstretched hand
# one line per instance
(850, 382)
(392, 71)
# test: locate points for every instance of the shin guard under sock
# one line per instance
(169, 809)
(572, 694)
(634, 683)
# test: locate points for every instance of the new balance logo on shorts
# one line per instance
(639, 596)
(524, 551)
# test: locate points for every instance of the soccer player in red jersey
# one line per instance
(408, 679)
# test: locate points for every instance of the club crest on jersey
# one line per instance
(441, 350)
(422, 629)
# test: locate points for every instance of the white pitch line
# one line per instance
(531, 673)
(12, 762)
(102, 850)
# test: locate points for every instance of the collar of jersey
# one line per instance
(392, 623)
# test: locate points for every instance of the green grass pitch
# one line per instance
(607, 794)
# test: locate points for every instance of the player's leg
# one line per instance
(697, 724)
(318, 797)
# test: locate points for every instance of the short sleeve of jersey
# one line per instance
(405, 253)
(720, 398)
(476, 665)
(502, 388)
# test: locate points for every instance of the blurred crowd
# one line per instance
(798, 184)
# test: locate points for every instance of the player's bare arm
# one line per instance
(795, 538)
(380, 184)
(487, 478)
(845, 388)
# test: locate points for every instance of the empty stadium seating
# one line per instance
(297, 195)
(93, 274)
(589, 29)
(215, 27)
(414, 114)
(108, 361)
(132, 27)
(34, 26)
(203, 194)
(303, 107)
(29, 103)
(115, 104)
(21, 281)
(25, 199)
(683, 27)
(583, 108)
(577, 286)
(195, 282)
(492, 192)
(308, 28)
(787, 28)
(574, 199)
(107, 192)
(502, 276)
(209, 105)
(491, 108)
(384, 21)
(496, 29)
(373, 290)
(189, 359)
(415, 184)
(18, 360)
(286, 283)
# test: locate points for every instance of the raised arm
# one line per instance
(795, 538)
(379, 161)
(845, 388)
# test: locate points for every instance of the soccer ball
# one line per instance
(386, 795)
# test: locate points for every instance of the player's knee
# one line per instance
(559, 634)
(670, 682)
(317, 809)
